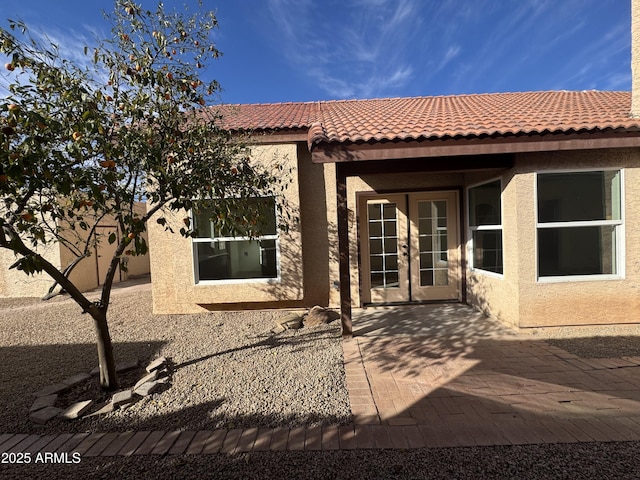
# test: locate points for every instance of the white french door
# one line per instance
(409, 247)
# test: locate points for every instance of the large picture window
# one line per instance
(579, 224)
(485, 226)
(220, 254)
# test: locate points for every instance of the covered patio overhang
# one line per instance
(437, 156)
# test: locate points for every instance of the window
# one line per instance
(221, 254)
(485, 226)
(579, 224)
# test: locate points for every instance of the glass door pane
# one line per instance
(433, 243)
(383, 245)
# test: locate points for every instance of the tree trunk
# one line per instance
(108, 379)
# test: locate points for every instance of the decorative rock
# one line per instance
(76, 379)
(43, 415)
(125, 367)
(51, 389)
(156, 364)
(106, 408)
(147, 388)
(121, 398)
(76, 410)
(163, 380)
(147, 378)
(44, 401)
(319, 316)
(291, 321)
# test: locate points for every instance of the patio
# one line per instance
(449, 376)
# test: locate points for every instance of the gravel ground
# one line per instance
(228, 370)
(589, 461)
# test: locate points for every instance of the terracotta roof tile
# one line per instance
(393, 119)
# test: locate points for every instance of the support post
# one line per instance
(343, 252)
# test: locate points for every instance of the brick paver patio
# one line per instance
(429, 389)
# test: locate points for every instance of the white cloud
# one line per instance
(358, 51)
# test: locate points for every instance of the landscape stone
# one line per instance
(106, 408)
(147, 388)
(45, 414)
(156, 364)
(76, 410)
(44, 401)
(291, 321)
(150, 377)
(319, 316)
(121, 397)
(76, 379)
(51, 389)
(125, 367)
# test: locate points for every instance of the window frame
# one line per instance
(619, 226)
(474, 228)
(235, 281)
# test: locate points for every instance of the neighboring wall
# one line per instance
(15, 283)
(87, 275)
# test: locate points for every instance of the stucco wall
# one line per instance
(88, 274)
(172, 268)
(592, 302)
(15, 283)
(518, 297)
(497, 295)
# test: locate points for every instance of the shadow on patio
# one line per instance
(457, 378)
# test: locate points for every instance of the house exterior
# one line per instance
(523, 205)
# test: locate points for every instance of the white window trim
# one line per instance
(619, 224)
(471, 229)
(234, 281)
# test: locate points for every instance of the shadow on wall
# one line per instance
(315, 249)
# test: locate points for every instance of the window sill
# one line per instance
(487, 273)
(579, 278)
(239, 281)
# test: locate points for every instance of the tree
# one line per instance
(79, 144)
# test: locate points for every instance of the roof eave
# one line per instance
(328, 152)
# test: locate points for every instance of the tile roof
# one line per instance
(459, 116)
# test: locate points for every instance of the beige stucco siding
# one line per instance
(172, 264)
(497, 295)
(15, 283)
(519, 297)
(570, 302)
(90, 272)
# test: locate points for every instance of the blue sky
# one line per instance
(308, 50)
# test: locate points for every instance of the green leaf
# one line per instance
(112, 238)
